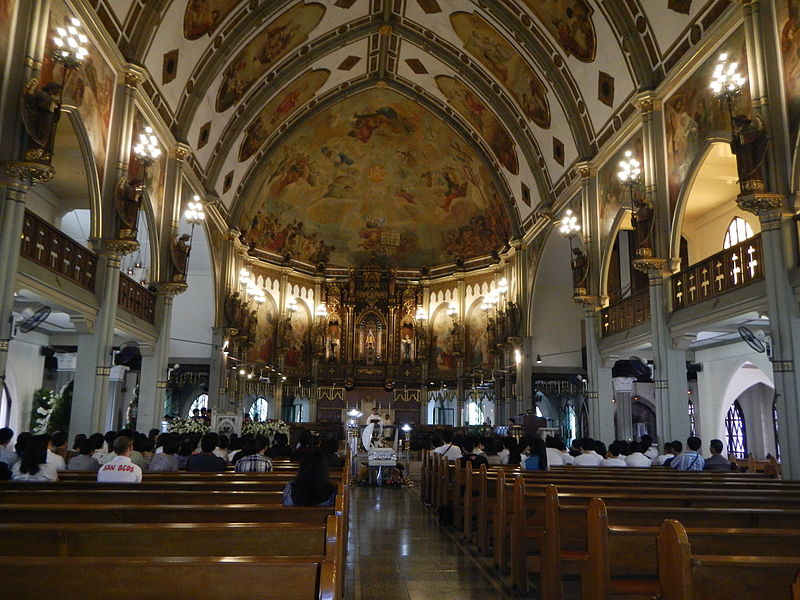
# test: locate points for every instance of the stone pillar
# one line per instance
(599, 393)
(623, 391)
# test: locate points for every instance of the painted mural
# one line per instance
(570, 22)
(443, 350)
(375, 178)
(692, 115)
(264, 348)
(6, 13)
(283, 35)
(478, 354)
(298, 347)
(505, 62)
(466, 102)
(613, 196)
(90, 89)
(277, 110)
(204, 16)
(788, 14)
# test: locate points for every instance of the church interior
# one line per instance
(511, 219)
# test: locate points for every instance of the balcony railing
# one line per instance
(136, 299)
(728, 270)
(627, 313)
(47, 246)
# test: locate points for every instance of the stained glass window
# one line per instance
(738, 231)
(735, 431)
(692, 426)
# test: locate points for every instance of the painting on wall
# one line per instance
(612, 194)
(283, 35)
(469, 104)
(692, 115)
(788, 14)
(264, 348)
(298, 347)
(443, 352)
(366, 180)
(204, 16)
(478, 354)
(277, 110)
(90, 88)
(6, 13)
(570, 23)
(505, 62)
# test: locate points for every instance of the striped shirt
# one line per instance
(253, 463)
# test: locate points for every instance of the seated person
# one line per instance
(33, 465)
(448, 447)
(304, 446)
(312, 486)
(205, 460)
(84, 461)
(167, 459)
(252, 459)
(635, 456)
(690, 460)
(281, 448)
(717, 462)
(120, 469)
(470, 456)
(676, 448)
(537, 455)
(613, 456)
(588, 457)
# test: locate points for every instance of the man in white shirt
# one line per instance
(667, 454)
(448, 448)
(554, 457)
(613, 458)
(7, 455)
(58, 440)
(120, 469)
(636, 458)
(648, 449)
(588, 457)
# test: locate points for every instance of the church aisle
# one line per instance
(397, 551)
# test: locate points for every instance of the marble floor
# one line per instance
(397, 551)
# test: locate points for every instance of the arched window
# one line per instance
(692, 426)
(735, 431)
(200, 402)
(5, 407)
(738, 231)
(474, 413)
(259, 409)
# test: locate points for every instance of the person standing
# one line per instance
(120, 469)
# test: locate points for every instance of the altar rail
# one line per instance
(627, 313)
(47, 246)
(136, 299)
(734, 267)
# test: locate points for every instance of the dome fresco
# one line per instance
(374, 178)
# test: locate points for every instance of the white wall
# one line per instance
(192, 319)
(555, 320)
(24, 376)
(705, 235)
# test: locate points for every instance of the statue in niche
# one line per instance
(643, 222)
(232, 311)
(180, 257)
(244, 316)
(579, 268)
(491, 333)
(252, 325)
(422, 342)
(457, 337)
(514, 321)
(40, 112)
(351, 285)
(128, 202)
(750, 144)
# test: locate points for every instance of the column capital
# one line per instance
(82, 324)
(29, 173)
(170, 289)
(650, 265)
(181, 151)
(584, 170)
(682, 342)
(133, 75)
(118, 248)
(647, 102)
(591, 303)
(761, 203)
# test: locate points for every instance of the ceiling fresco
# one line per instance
(204, 16)
(570, 23)
(374, 178)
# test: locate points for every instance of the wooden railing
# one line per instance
(627, 313)
(47, 246)
(728, 270)
(136, 299)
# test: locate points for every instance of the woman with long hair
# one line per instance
(537, 457)
(311, 487)
(33, 466)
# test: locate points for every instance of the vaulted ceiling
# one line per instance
(513, 93)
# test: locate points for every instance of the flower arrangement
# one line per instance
(44, 403)
(266, 428)
(188, 425)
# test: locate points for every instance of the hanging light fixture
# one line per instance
(727, 83)
(70, 45)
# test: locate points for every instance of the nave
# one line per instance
(397, 551)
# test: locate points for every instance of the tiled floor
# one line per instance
(397, 551)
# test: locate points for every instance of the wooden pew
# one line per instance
(623, 561)
(686, 575)
(157, 578)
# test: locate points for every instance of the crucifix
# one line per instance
(753, 263)
(705, 283)
(720, 278)
(679, 294)
(736, 268)
(692, 287)
(39, 250)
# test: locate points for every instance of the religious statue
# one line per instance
(491, 332)
(351, 285)
(750, 143)
(319, 339)
(251, 325)
(40, 112)
(128, 200)
(422, 342)
(643, 222)
(231, 309)
(180, 257)
(456, 335)
(579, 268)
(244, 316)
(406, 351)
(514, 321)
